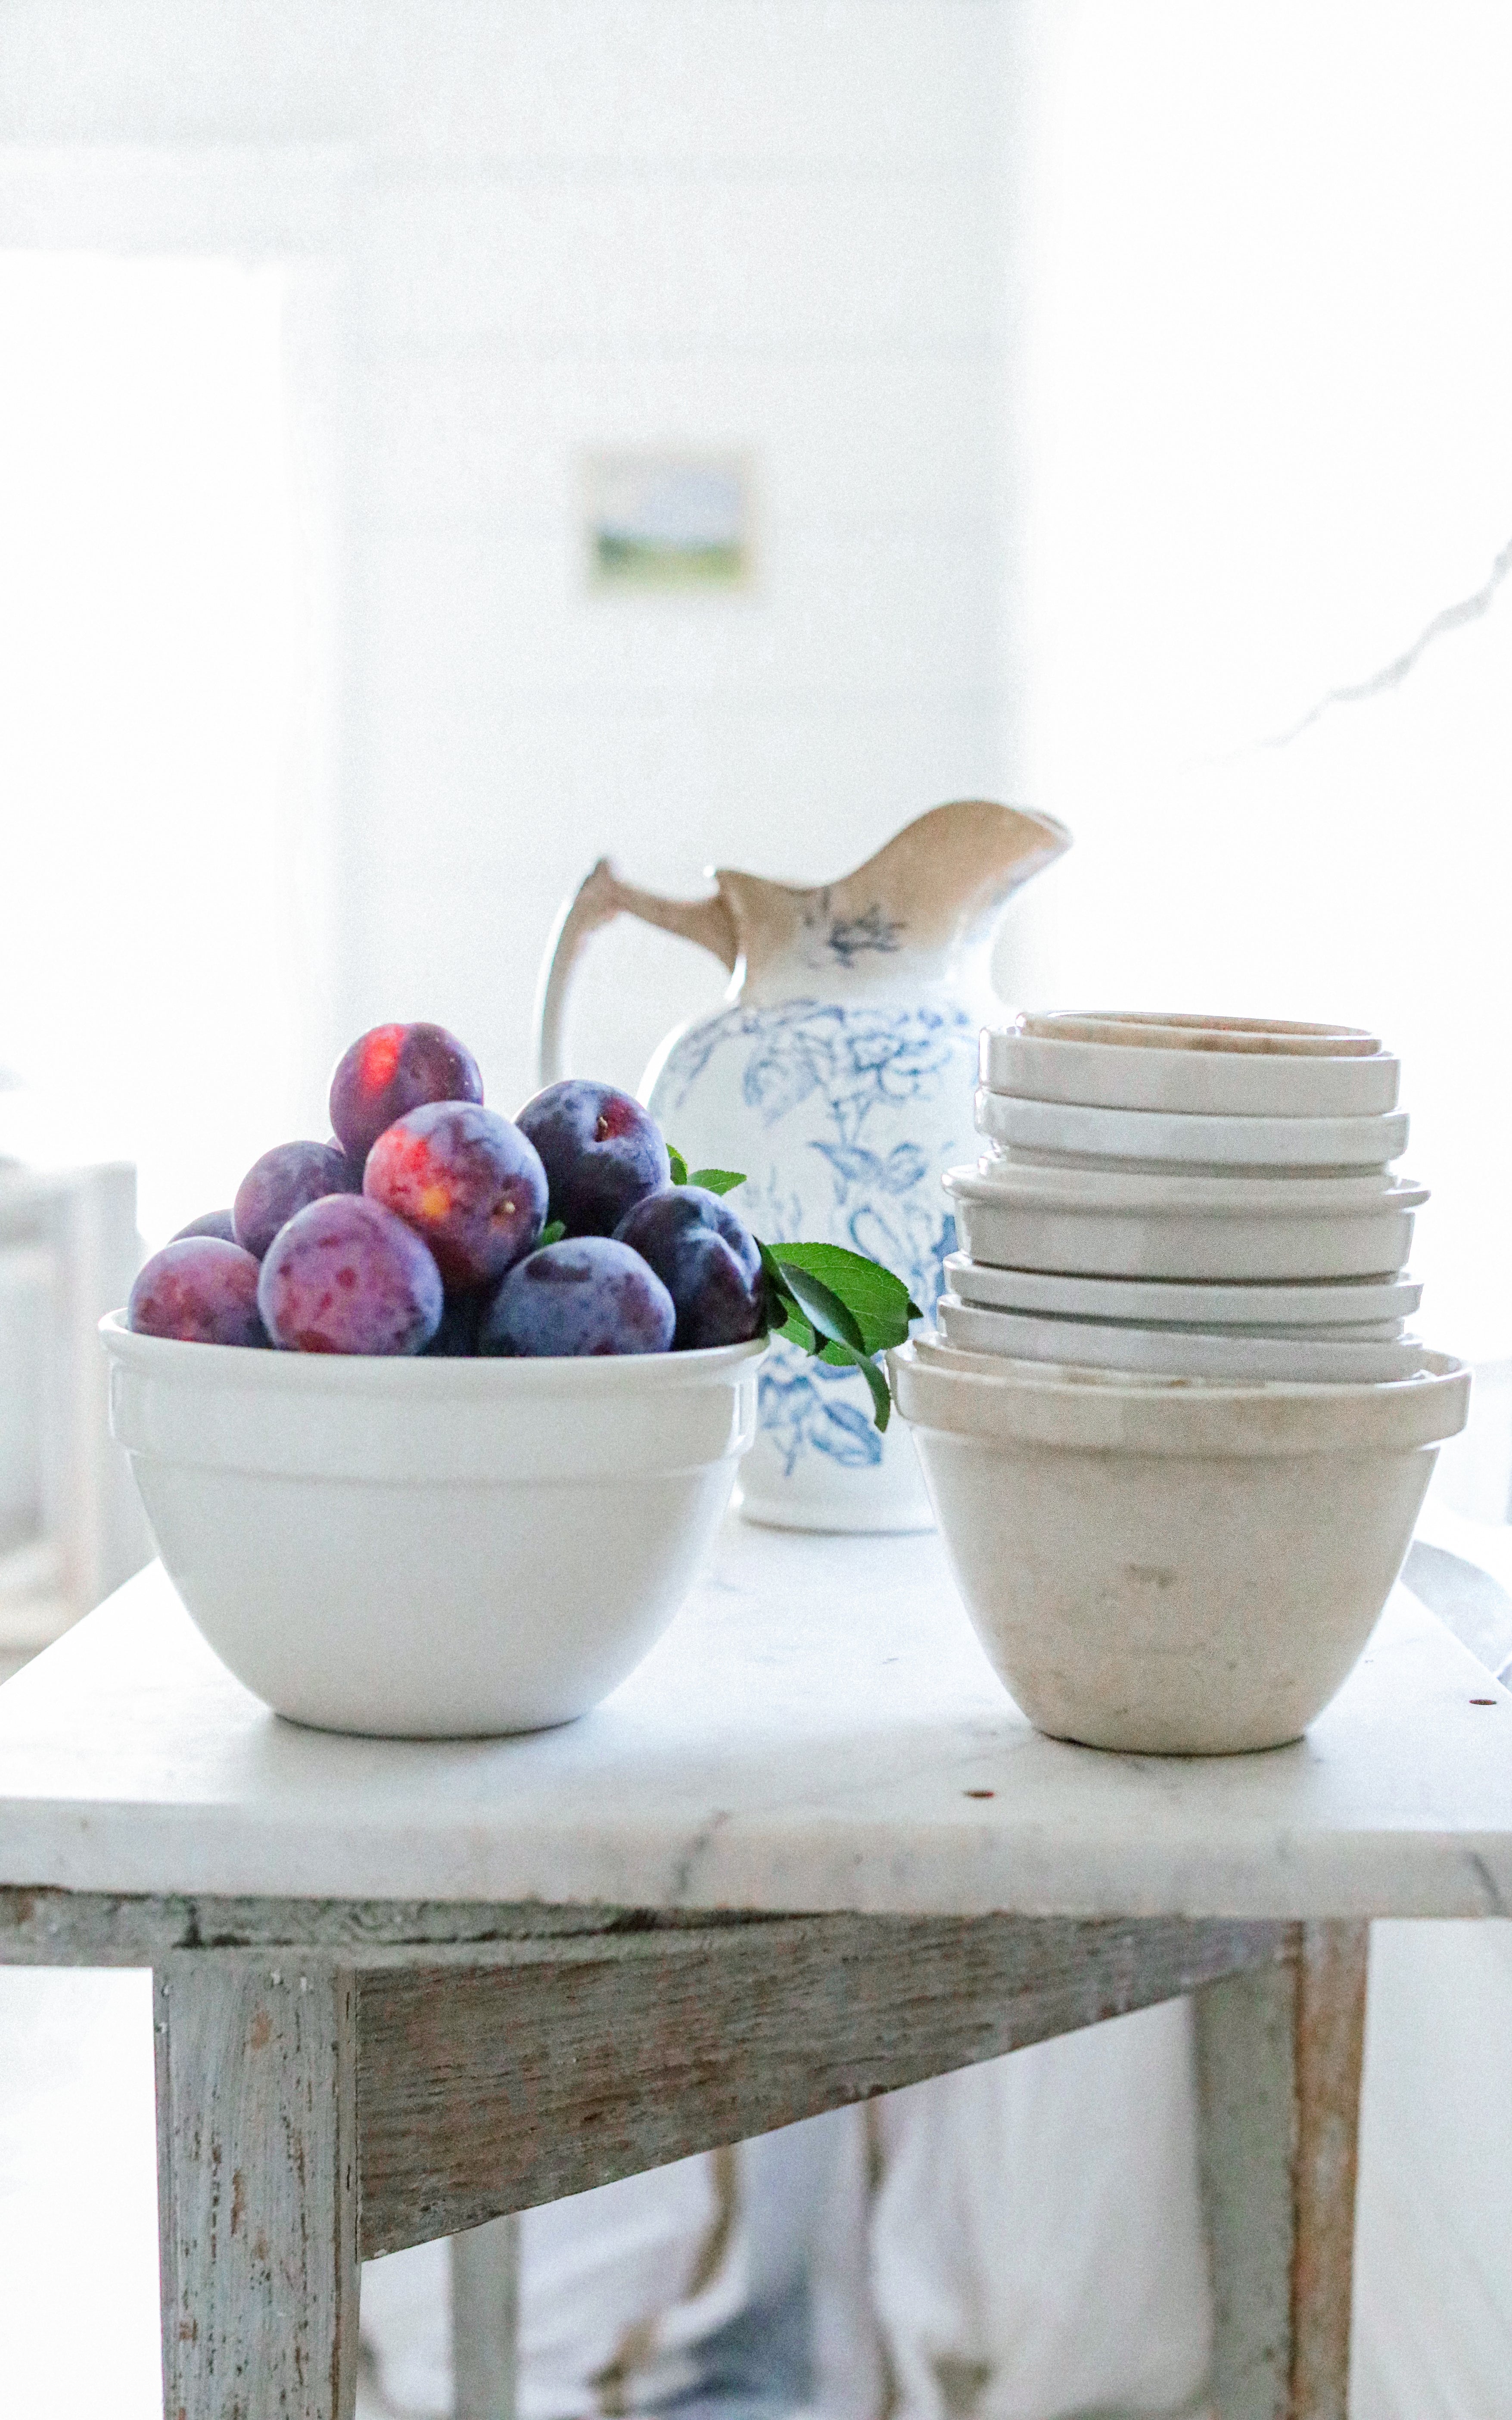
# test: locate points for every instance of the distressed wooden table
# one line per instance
(809, 1853)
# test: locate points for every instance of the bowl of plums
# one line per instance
(434, 1425)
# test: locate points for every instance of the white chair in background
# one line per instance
(70, 1530)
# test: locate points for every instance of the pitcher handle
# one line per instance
(598, 899)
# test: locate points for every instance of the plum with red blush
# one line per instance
(467, 1181)
(392, 1070)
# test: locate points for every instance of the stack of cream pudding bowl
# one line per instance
(1174, 1423)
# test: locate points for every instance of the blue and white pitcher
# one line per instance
(840, 1076)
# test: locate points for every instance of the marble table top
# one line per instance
(818, 1731)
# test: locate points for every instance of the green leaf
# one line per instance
(782, 1305)
(879, 1303)
(824, 1311)
(770, 1266)
(551, 1233)
(679, 1166)
(790, 1315)
(881, 1397)
(792, 1327)
(795, 1330)
(716, 1180)
(782, 1313)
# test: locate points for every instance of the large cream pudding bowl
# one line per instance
(1170, 1567)
(433, 1548)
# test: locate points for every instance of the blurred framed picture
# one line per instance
(669, 520)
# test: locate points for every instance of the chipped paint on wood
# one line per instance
(256, 2189)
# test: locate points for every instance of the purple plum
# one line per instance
(199, 1289)
(392, 1070)
(347, 1276)
(465, 1180)
(213, 1222)
(287, 1179)
(707, 1259)
(601, 1150)
(589, 1295)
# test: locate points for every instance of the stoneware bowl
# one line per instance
(1169, 1567)
(1194, 1083)
(1376, 1305)
(1168, 1029)
(1107, 1223)
(1313, 1358)
(432, 1548)
(1154, 1138)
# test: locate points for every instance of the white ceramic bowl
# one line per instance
(1151, 1227)
(1149, 1137)
(1111, 1184)
(1359, 1303)
(1169, 1567)
(1193, 1082)
(433, 1548)
(1176, 1029)
(1319, 1356)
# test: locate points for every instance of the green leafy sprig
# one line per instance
(837, 1305)
(714, 1180)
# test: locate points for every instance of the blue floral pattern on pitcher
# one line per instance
(885, 1092)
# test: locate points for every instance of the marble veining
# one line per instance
(818, 1731)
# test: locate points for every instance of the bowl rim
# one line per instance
(1180, 1029)
(1100, 1338)
(265, 1370)
(1201, 1126)
(1132, 1060)
(1230, 1301)
(1107, 1190)
(1056, 1378)
(1129, 1413)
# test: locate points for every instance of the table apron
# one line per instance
(491, 2080)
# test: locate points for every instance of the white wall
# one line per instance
(608, 223)
(1265, 431)
(771, 229)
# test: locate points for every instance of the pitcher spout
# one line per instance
(935, 890)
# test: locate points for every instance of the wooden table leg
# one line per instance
(485, 2319)
(1279, 2056)
(257, 2186)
